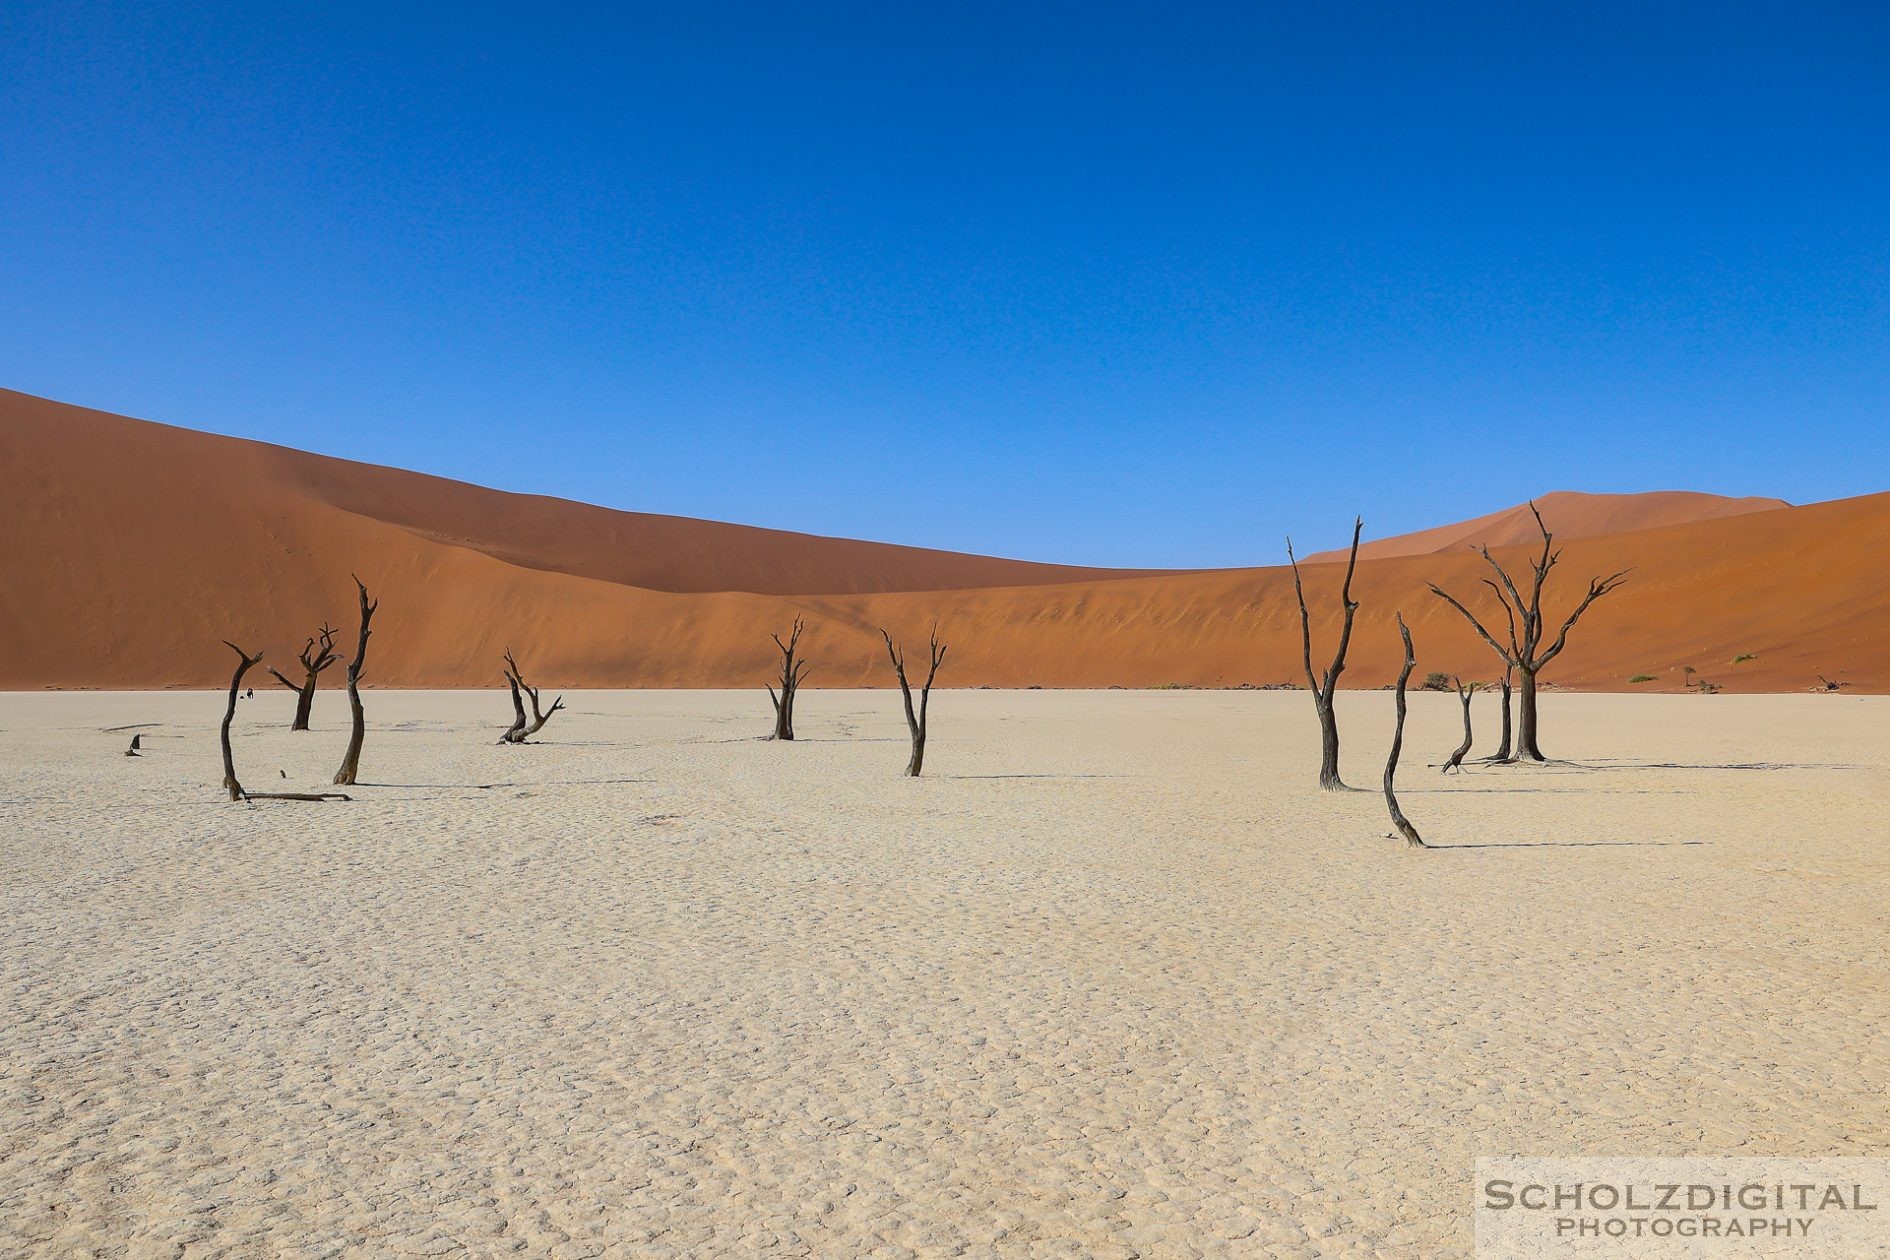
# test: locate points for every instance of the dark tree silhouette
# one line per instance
(915, 721)
(792, 671)
(1502, 747)
(515, 734)
(1323, 691)
(315, 656)
(1464, 695)
(1398, 820)
(357, 731)
(1528, 630)
(521, 728)
(243, 662)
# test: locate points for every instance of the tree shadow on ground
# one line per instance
(1719, 765)
(1032, 776)
(1541, 791)
(1570, 844)
(488, 787)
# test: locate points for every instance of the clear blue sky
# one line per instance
(1112, 286)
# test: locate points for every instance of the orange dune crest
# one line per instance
(133, 548)
(1570, 514)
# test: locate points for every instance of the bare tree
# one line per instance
(515, 734)
(1398, 820)
(357, 732)
(915, 722)
(792, 671)
(521, 728)
(1527, 628)
(243, 662)
(1323, 691)
(315, 657)
(1463, 695)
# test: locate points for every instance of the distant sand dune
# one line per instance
(1570, 514)
(132, 548)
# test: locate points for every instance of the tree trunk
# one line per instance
(1526, 749)
(1502, 749)
(515, 734)
(1463, 749)
(244, 661)
(914, 766)
(304, 703)
(1328, 746)
(1398, 820)
(357, 730)
(783, 712)
(357, 733)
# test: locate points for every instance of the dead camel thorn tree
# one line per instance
(230, 782)
(1464, 695)
(315, 656)
(516, 732)
(357, 731)
(1398, 820)
(1528, 629)
(243, 662)
(793, 670)
(520, 727)
(915, 721)
(1323, 691)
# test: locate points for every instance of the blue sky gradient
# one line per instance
(1077, 283)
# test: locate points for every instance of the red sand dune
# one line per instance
(132, 548)
(1570, 514)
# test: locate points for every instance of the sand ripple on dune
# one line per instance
(1113, 982)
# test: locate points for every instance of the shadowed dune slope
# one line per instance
(1570, 513)
(131, 549)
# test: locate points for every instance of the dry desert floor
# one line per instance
(1113, 979)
